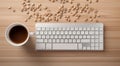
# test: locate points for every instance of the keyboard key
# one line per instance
(84, 28)
(78, 40)
(40, 40)
(101, 38)
(80, 36)
(92, 28)
(40, 46)
(84, 36)
(88, 28)
(82, 32)
(65, 46)
(88, 36)
(48, 46)
(96, 28)
(85, 40)
(80, 47)
(86, 32)
(38, 37)
(88, 48)
(37, 32)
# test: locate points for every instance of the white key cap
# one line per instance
(86, 32)
(92, 28)
(47, 36)
(84, 48)
(80, 36)
(48, 46)
(72, 36)
(62, 40)
(88, 28)
(74, 32)
(96, 36)
(47, 28)
(53, 40)
(37, 32)
(68, 36)
(96, 44)
(78, 40)
(40, 40)
(43, 28)
(101, 28)
(40, 46)
(88, 48)
(84, 28)
(62, 32)
(70, 40)
(64, 36)
(101, 38)
(92, 40)
(38, 28)
(53, 32)
(80, 47)
(82, 32)
(80, 28)
(78, 32)
(45, 32)
(101, 32)
(49, 40)
(92, 44)
(96, 48)
(55, 36)
(66, 40)
(51, 36)
(84, 36)
(92, 36)
(91, 32)
(43, 36)
(74, 40)
(45, 40)
(92, 48)
(49, 32)
(76, 28)
(85, 40)
(38, 36)
(96, 28)
(66, 32)
(96, 40)
(55, 28)
(96, 32)
(65, 46)
(101, 46)
(88, 36)
(51, 29)
(72, 28)
(59, 36)
(41, 32)
(57, 32)
(76, 36)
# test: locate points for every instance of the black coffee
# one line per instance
(18, 34)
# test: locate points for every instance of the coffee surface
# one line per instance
(18, 34)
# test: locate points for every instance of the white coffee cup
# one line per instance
(7, 36)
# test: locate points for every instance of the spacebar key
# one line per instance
(65, 46)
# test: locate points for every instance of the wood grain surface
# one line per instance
(28, 56)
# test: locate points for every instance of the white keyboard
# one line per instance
(69, 36)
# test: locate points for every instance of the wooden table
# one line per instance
(28, 56)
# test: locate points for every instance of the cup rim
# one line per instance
(7, 34)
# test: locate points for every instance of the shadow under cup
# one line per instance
(17, 34)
